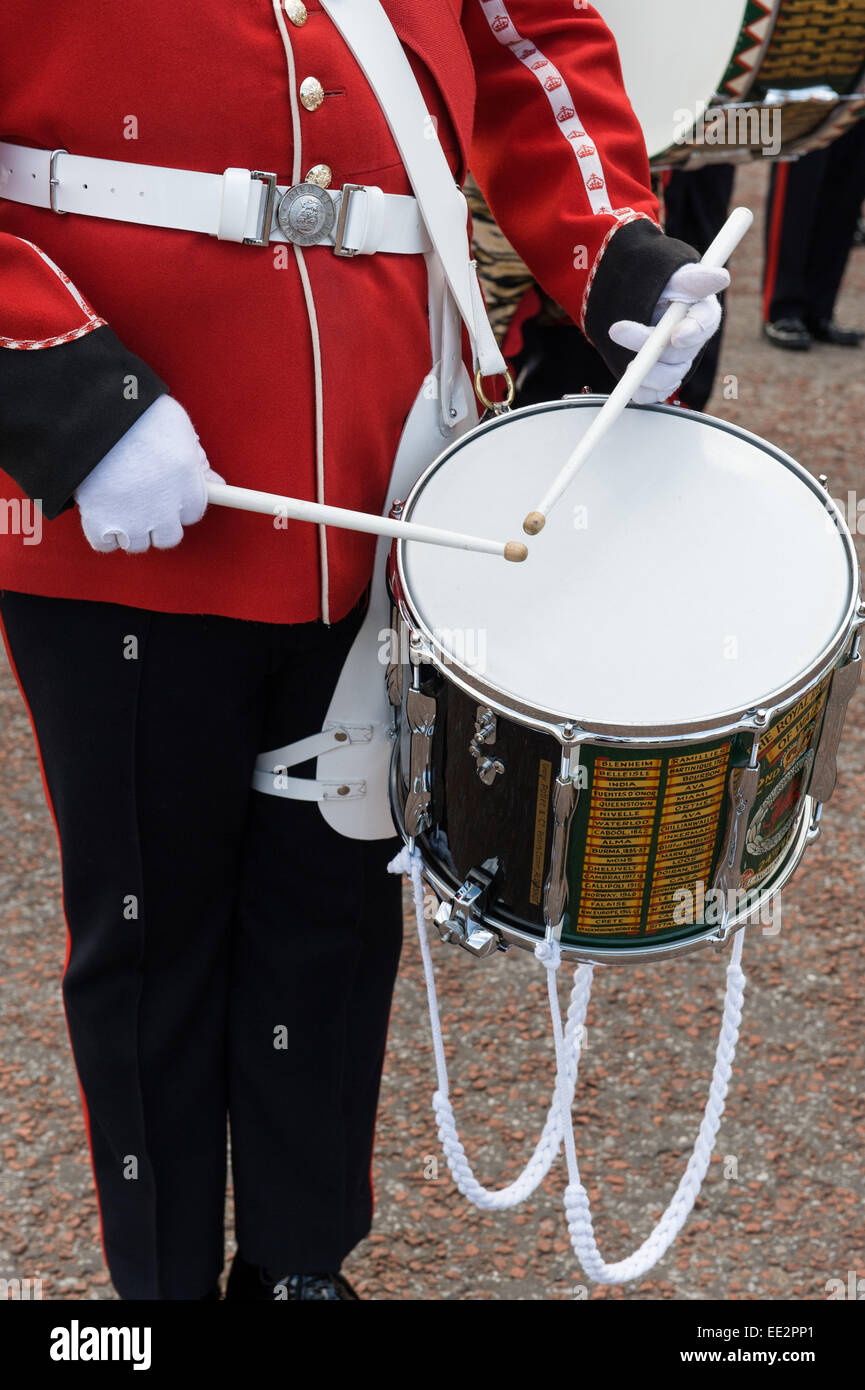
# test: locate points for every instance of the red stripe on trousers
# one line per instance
(776, 227)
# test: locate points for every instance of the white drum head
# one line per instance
(674, 55)
(689, 571)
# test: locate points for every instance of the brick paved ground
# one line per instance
(788, 1221)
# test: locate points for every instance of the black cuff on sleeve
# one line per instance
(633, 271)
(62, 409)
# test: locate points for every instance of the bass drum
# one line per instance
(625, 740)
(674, 57)
(788, 73)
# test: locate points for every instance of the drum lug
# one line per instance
(825, 770)
(565, 799)
(395, 666)
(461, 921)
(486, 724)
(421, 715)
(419, 650)
(742, 788)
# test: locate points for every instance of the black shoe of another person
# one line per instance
(827, 331)
(328, 1288)
(788, 333)
(251, 1283)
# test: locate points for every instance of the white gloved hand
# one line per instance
(693, 284)
(149, 486)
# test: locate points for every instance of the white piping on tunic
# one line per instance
(311, 315)
(73, 289)
(36, 343)
(93, 319)
(623, 217)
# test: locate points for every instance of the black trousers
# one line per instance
(697, 204)
(230, 955)
(811, 215)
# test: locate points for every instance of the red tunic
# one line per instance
(226, 327)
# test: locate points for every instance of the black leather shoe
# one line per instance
(827, 331)
(788, 333)
(329, 1288)
(252, 1283)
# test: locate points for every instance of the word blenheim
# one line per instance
(76, 1343)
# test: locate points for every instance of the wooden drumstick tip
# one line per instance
(534, 522)
(516, 551)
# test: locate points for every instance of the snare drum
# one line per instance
(625, 741)
(800, 61)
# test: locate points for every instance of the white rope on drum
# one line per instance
(577, 1207)
(559, 1121)
(547, 1148)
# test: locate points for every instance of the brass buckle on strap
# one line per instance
(497, 407)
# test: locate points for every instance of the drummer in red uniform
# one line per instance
(231, 958)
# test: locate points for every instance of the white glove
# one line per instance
(149, 486)
(692, 284)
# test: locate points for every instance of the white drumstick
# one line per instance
(271, 504)
(717, 255)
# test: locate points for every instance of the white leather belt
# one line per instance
(241, 205)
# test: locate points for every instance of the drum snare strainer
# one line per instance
(620, 749)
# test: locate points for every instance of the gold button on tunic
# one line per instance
(311, 93)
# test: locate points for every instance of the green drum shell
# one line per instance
(647, 834)
(649, 829)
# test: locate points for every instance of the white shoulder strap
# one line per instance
(379, 53)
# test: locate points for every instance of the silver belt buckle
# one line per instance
(306, 214)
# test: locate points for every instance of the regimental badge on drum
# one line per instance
(775, 817)
(306, 214)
